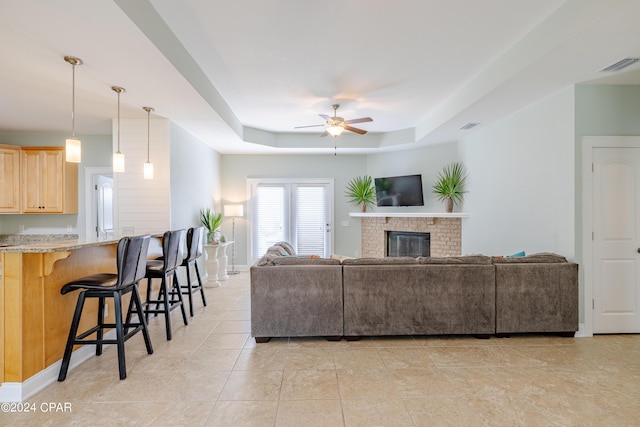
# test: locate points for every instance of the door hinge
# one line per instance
(593, 236)
(593, 304)
(96, 186)
(593, 168)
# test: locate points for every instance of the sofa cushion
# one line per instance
(287, 247)
(542, 257)
(468, 259)
(379, 261)
(292, 260)
(268, 258)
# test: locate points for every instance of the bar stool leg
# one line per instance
(100, 325)
(176, 288)
(117, 307)
(189, 289)
(204, 300)
(135, 296)
(167, 310)
(72, 336)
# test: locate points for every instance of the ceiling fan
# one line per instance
(336, 125)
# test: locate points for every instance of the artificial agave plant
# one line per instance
(360, 191)
(450, 185)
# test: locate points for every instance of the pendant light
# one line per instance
(118, 157)
(73, 148)
(148, 166)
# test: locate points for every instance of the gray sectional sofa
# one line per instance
(300, 296)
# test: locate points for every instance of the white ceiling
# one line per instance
(240, 75)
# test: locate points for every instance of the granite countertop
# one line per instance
(54, 246)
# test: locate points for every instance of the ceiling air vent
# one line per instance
(621, 64)
(469, 126)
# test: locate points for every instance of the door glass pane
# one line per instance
(310, 220)
(270, 221)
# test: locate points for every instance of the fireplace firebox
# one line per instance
(405, 243)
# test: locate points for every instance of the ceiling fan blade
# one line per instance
(324, 116)
(308, 126)
(356, 130)
(361, 120)
(325, 133)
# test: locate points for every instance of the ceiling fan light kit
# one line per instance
(336, 125)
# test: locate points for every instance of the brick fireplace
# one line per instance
(445, 231)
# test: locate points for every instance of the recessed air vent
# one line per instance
(621, 64)
(469, 126)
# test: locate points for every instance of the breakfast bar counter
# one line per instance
(35, 316)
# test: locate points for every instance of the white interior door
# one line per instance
(616, 240)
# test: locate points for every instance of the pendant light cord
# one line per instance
(148, 129)
(73, 100)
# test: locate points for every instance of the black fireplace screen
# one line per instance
(404, 243)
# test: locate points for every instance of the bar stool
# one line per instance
(194, 251)
(131, 259)
(165, 269)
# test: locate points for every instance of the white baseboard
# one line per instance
(19, 392)
(582, 333)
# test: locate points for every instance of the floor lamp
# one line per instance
(233, 211)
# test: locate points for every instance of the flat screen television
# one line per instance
(399, 191)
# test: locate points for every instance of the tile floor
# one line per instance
(213, 374)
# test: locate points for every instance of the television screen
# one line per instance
(399, 191)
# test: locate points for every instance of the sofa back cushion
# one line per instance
(292, 260)
(379, 261)
(468, 259)
(539, 258)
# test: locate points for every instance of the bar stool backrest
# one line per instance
(171, 249)
(132, 259)
(194, 243)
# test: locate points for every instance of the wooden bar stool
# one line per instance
(131, 260)
(194, 251)
(165, 269)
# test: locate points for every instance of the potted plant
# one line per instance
(450, 185)
(360, 191)
(212, 222)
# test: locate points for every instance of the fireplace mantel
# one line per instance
(409, 215)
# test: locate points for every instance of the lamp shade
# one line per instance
(233, 210)
(118, 162)
(73, 149)
(335, 130)
(148, 170)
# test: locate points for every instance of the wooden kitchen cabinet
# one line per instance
(49, 184)
(9, 179)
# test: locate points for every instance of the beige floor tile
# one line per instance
(309, 413)
(465, 357)
(206, 359)
(238, 315)
(233, 327)
(366, 383)
(422, 382)
(357, 358)
(225, 341)
(261, 358)
(375, 412)
(442, 411)
(243, 414)
(403, 358)
(309, 384)
(203, 386)
(172, 413)
(252, 385)
(309, 358)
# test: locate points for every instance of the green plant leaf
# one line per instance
(451, 183)
(210, 220)
(360, 191)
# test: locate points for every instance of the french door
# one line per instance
(299, 211)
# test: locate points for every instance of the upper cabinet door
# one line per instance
(9, 179)
(42, 180)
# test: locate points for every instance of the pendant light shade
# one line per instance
(148, 166)
(118, 157)
(73, 147)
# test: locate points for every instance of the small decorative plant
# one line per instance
(450, 185)
(360, 191)
(212, 222)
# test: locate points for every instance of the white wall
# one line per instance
(427, 161)
(522, 181)
(237, 168)
(195, 179)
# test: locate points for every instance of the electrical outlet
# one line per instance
(128, 230)
(345, 223)
(69, 228)
(21, 228)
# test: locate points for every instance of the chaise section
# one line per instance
(424, 296)
(296, 297)
(537, 293)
